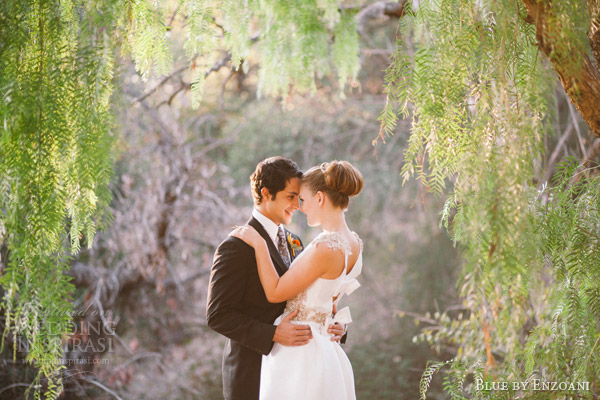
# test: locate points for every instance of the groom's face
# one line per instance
(286, 202)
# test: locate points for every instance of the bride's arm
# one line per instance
(307, 269)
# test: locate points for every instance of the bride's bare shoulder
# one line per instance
(358, 239)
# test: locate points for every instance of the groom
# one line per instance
(237, 306)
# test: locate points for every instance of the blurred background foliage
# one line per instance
(182, 181)
(411, 264)
(182, 163)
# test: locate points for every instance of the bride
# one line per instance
(314, 284)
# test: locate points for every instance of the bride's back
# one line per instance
(315, 303)
(352, 242)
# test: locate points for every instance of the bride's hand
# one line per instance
(248, 234)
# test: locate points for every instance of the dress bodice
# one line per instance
(315, 303)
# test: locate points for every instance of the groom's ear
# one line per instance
(266, 195)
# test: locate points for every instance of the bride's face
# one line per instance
(309, 205)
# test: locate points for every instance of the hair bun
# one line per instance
(342, 177)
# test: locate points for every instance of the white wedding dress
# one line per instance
(319, 370)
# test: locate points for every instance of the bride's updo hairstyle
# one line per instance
(340, 180)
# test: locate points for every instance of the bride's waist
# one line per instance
(307, 314)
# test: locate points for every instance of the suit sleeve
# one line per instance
(225, 293)
(343, 339)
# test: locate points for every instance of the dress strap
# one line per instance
(346, 264)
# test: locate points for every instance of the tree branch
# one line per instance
(101, 386)
(217, 66)
(557, 149)
(577, 130)
(162, 82)
(377, 10)
(119, 280)
(14, 385)
(592, 154)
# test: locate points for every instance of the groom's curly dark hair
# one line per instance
(272, 173)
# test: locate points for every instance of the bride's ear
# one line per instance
(320, 198)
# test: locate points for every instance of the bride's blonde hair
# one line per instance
(340, 180)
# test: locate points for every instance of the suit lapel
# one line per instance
(275, 256)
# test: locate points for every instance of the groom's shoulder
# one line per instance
(232, 245)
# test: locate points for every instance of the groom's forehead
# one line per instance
(292, 185)
(291, 188)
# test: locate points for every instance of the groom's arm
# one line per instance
(226, 288)
(343, 339)
(337, 330)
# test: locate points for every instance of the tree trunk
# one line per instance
(581, 79)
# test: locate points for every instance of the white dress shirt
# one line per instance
(269, 225)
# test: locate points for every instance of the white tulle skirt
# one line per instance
(319, 370)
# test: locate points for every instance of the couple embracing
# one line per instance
(274, 300)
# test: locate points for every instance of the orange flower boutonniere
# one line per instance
(294, 244)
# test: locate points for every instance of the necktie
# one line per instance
(282, 247)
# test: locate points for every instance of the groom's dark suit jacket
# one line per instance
(237, 308)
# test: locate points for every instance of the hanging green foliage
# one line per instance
(55, 166)
(297, 42)
(56, 131)
(473, 81)
(478, 91)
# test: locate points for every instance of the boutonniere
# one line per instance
(294, 244)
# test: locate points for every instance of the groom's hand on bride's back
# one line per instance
(289, 334)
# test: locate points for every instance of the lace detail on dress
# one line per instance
(305, 313)
(334, 240)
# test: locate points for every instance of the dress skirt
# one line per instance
(319, 370)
